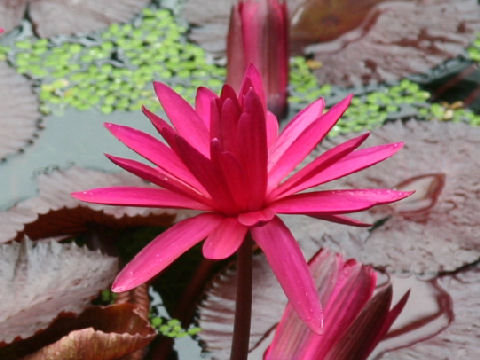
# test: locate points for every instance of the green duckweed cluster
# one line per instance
(372, 109)
(171, 328)
(113, 70)
(474, 50)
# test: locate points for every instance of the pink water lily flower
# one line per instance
(355, 319)
(226, 159)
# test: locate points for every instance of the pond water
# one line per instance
(76, 135)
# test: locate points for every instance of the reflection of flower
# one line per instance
(258, 34)
(226, 158)
(355, 320)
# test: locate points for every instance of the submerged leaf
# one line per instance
(55, 212)
(19, 115)
(41, 280)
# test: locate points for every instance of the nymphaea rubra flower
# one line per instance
(226, 159)
(355, 318)
(258, 34)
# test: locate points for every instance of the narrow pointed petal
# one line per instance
(272, 128)
(339, 219)
(224, 240)
(236, 63)
(157, 177)
(337, 201)
(203, 103)
(368, 328)
(287, 262)
(132, 196)
(306, 142)
(151, 149)
(206, 172)
(253, 78)
(252, 140)
(293, 130)
(185, 120)
(353, 162)
(164, 249)
(163, 128)
(298, 181)
(232, 172)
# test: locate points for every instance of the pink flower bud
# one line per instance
(258, 35)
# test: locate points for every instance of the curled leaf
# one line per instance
(100, 333)
(41, 280)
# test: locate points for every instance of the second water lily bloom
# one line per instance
(355, 319)
(258, 34)
(227, 159)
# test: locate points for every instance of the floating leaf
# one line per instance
(19, 115)
(421, 234)
(11, 13)
(100, 333)
(41, 280)
(55, 212)
(460, 339)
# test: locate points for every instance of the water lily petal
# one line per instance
(224, 240)
(353, 162)
(272, 128)
(136, 196)
(203, 103)
(293, 130)
(185, 120)
(329, 157)
(337, 201)
(164, 249)
(286, 259)
(253, 218)
(252, 139)
(157, 177)
(253, 79)
(340, 219)
(306, 142)
(153, 150)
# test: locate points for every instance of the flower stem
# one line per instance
(243, 307)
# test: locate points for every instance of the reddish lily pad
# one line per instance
(460, 339)
(420, 234)
(11, 13)
(100, 333)
(54, 212)
(397, 39)
(19, 111)
(53, 17)
(41, 280)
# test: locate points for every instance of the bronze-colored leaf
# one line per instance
(19, 114)
(54, 17)
(11, 13)
(41, 280)
(442, 233)
(100, 333)
(399, 38)
(55, 212)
